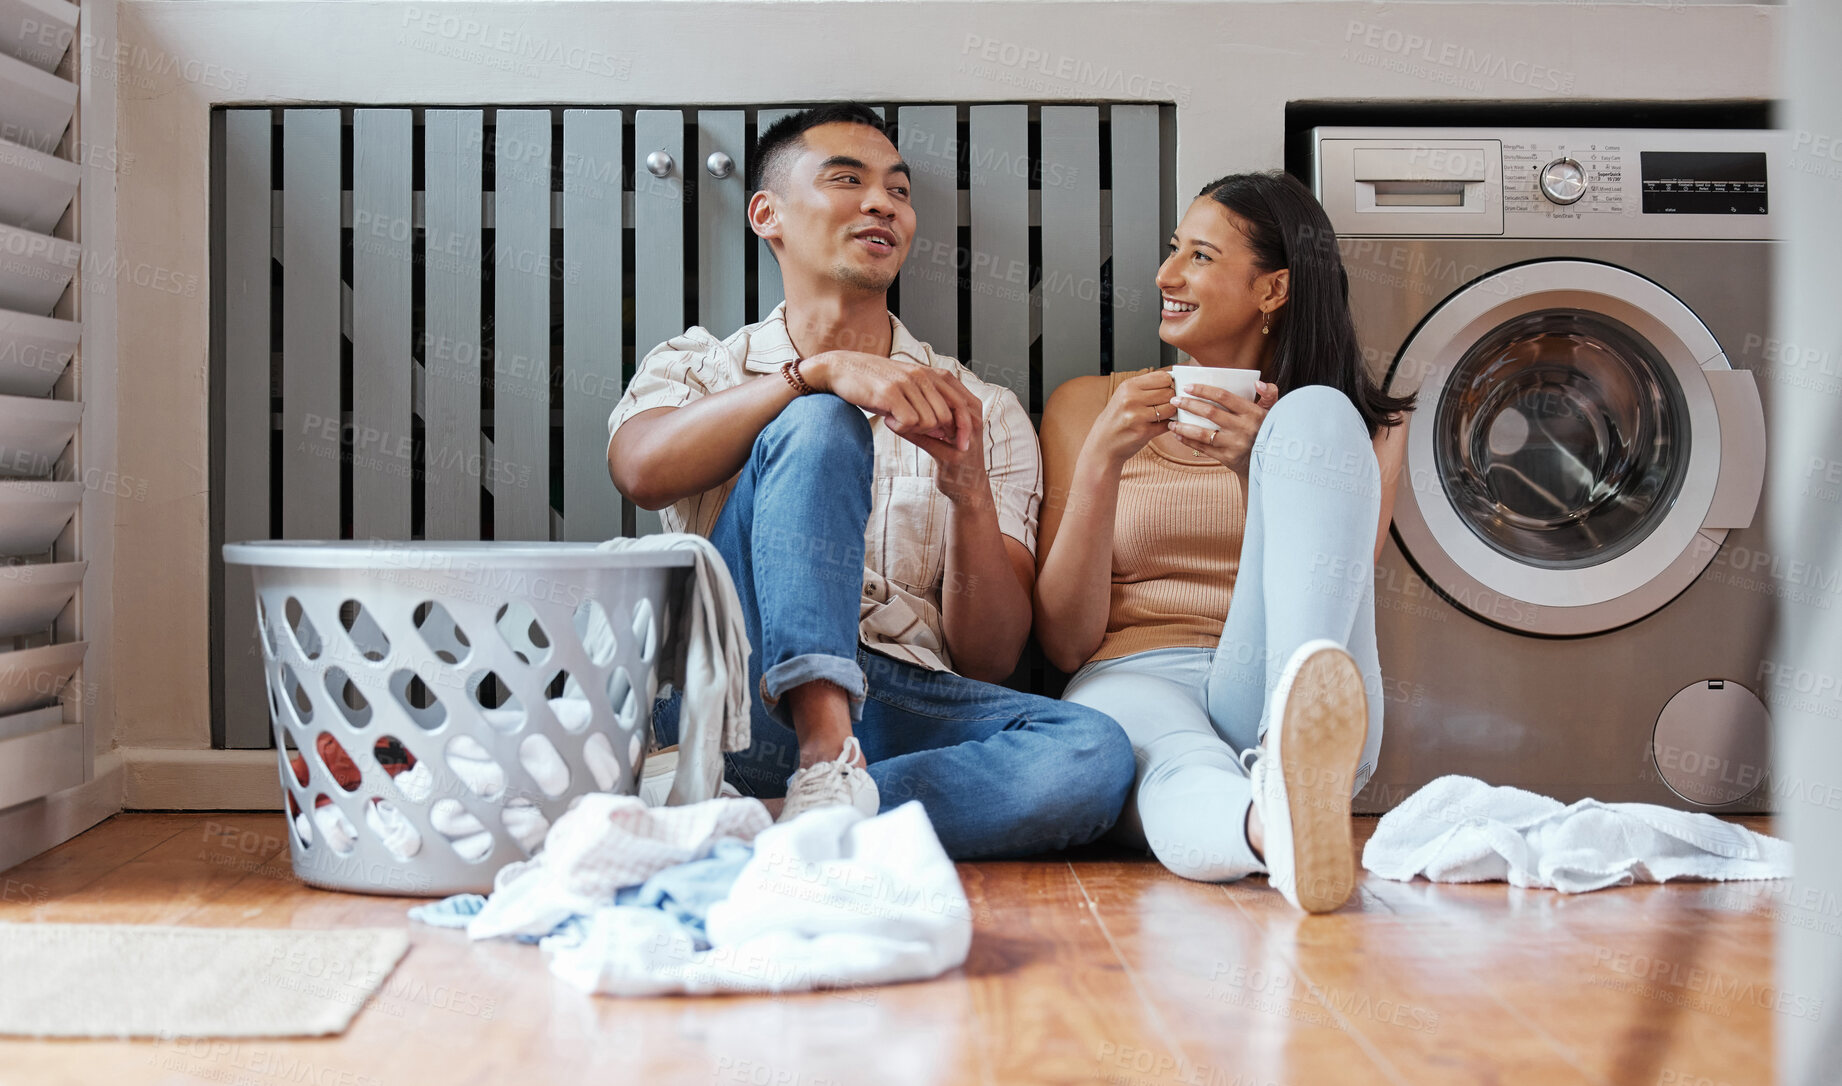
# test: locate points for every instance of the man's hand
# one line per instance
(960, 472)
(915, 400)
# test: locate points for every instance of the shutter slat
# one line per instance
(658, 245)
(310, 289)
(592, 325)
(521, 325)
(1070, 243)
(1138, 237)
(928, 137)
(1000, 266)
(453, 146)
(381, 311)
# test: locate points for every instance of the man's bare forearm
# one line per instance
(984, 610)
(670, 453)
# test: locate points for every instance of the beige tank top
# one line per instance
(1176, 550)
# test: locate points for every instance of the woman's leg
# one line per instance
(1307, 562)
(1190, 796)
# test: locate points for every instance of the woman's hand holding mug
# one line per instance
(1236, 421)
(1138, 411)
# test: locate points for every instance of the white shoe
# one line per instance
(1318, 722)
(827, 784)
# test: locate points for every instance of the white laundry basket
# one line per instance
(517, 676)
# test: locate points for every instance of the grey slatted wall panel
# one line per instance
(453, 144)
(310, 324)
(658, 246)
(1070, 243)
(381, 312)
(1138, 236)
(248, 192)
(592, 329)
(722, 224)
(769, 290)
(928, 137)
(521, 325)
(447, 390)
(1000, 263)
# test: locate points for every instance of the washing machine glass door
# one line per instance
(1567, 448)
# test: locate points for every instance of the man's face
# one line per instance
(841, 210)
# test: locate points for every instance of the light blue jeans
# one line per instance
(1306, 572)
(1001, 772)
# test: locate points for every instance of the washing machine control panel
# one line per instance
(1584, 177)
(1548, 183)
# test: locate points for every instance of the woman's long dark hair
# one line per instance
(1314, 336)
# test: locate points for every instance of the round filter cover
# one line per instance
(1712, 743)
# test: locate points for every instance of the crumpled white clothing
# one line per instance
(1459, 829)
(830, 899)
(602, 843)
(449, 817)
(398, 833)
(714, 716)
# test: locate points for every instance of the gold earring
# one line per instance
(1266, 323)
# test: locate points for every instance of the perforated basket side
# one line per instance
(512, 692)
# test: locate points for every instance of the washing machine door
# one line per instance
(1579, 449)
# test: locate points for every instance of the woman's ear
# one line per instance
(1278, 287)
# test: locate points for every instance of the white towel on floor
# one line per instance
(829, 900)
(1459, 829)
(600, 844)
(714, 714)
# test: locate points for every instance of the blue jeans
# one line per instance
(1002, 773)
(1306, 572)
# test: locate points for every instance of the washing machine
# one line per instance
(1577, 596)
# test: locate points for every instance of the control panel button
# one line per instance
(1563, 181)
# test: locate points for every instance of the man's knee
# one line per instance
(823, 426)
(1098, 756)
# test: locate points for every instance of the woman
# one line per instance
(1214, 584)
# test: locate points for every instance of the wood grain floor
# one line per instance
(1095, 967)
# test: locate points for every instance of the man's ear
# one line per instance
(763, 217)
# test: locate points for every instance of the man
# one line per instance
(876, 505)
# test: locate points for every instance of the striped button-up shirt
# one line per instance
(905, 541)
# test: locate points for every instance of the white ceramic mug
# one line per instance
(1240, 382)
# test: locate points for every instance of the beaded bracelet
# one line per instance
(790, 371)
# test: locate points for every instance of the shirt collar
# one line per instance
(769, 346)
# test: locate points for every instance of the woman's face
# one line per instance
(1212, 292)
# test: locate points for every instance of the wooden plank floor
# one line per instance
(1095, 967)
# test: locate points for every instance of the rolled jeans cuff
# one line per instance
(800, 670)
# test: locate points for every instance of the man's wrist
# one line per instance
(967, 490)
(816, 371)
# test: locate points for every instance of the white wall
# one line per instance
(1229, 66)
(1807, 527)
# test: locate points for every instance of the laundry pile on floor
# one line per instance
(627, 899)
(1459, 829)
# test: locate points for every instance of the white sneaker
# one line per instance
(827, 784)
(1317, 724)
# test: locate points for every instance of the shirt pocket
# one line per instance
(911, 535)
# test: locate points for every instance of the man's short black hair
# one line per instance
(782, 140)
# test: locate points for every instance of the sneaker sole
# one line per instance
(1325, 723)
